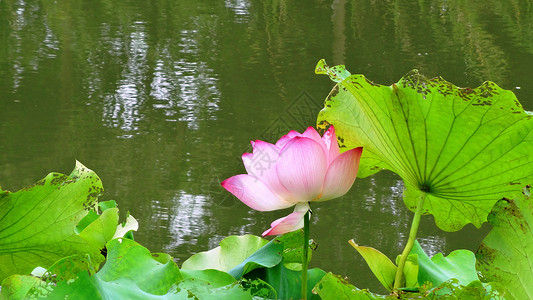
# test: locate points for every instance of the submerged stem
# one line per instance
(304, 255)
(410, 242)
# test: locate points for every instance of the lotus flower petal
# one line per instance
(311, 133)
(302, 168)
(286, 138)
(330, 139)
(254, 193)
(262, 165)
(292, 222)
(341, 174)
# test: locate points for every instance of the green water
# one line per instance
(161, 98)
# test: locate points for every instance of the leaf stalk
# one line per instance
(410, 242)
(304, 255)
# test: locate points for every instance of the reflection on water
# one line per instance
(240, 8)
(187, 219)
(17, 24)
(161, 98)
(122, 109)
(161, 87)
(196, 82)
(433, 244)
(182, 85)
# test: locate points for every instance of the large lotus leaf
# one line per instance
(460, 264)
(130, 272)
(237, 255)
(93, 288)
(506, 254)
(38, 224)
(154, 273)
(464, 148)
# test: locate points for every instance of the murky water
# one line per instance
(161, 98)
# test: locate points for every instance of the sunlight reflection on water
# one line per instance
(433, 245)
(240, 8)
(123, 108)
(187, 219)
(182, 85)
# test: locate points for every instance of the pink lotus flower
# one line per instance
(300, 168)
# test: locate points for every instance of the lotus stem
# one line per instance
(410, 241)
(304, 255)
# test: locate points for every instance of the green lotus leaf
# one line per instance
(287, 282)
(410, 271)
(193, 288)
(385, 270)
(154, 273)
(460, 264)
(382, 267)
(335, 73)
(267, 256)
(38, 224)
(215, 278)
(17, 287)
(101, 230)
(506, 254)
(126, 228)
(292, 249)
(464, 149)
(68, 267)
(237, 255)
(259, 288)
(475, 290)
(334, 287)
(132, 272)
(277, 263)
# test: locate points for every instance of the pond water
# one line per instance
(161, 98)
